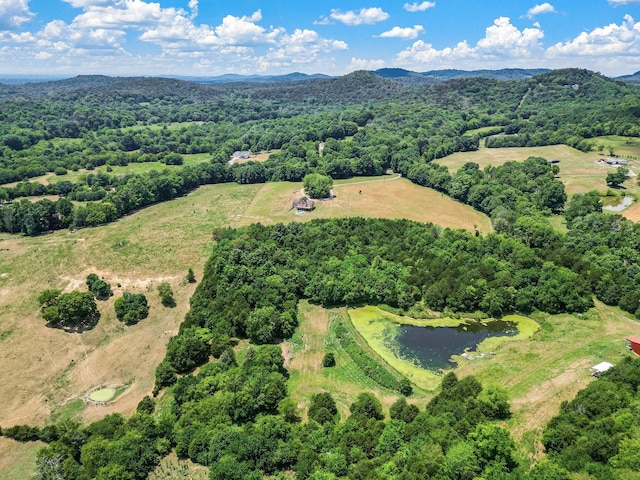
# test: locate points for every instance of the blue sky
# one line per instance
(212, 37)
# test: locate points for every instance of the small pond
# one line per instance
(624, 203)
(432, 347)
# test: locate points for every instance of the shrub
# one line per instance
(97, 286)
(191, 277)
(131, 308)
(329, 360)
(166, 295)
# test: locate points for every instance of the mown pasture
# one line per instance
(580, 172)
(544, 365)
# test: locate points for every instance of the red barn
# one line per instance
(634, 344)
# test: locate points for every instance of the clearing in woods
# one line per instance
(551, 366)
(580, 172)
(538, 369)
(303, 358)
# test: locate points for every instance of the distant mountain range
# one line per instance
(635, 78)
(396, 74)
(233, 78)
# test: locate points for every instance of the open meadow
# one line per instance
(580, 172)
(114, 170)
(303, 359)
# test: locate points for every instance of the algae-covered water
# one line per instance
(432, 347)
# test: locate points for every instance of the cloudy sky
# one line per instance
(212, 37)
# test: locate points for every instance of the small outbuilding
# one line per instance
(614, 161)
(596, 370)
(634, 344)
(240, 155)
(304, 203)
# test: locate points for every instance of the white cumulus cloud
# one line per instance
(502, 44)
(364, 64)
(368, 16)
(14, 13)
(612, 39)
(504, 38)
(622, 2)
(403, 32)
(193, 6)
(418, 7)
(126, 13)
(540, 9)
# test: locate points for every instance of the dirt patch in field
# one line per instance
(632, 213)
(63, 366)
(258, 157)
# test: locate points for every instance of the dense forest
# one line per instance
(223, 401)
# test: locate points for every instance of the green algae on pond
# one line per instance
(383, 332)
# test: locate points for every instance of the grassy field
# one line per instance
(387, 196)
(622, 146)
(547, 363)
(17, 460)
(552, 365)
(580, 172)
(304, 353)
(131, 168)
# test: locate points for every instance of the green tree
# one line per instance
(323, 408)
(71, 310)
(49, 297)
(329, 360)
(146, 405)
(187, 351)
(617, 178)
(582, 204)
(97, 286)
(367, 404)
(166, 295)
(165, 376)
(317, 185)
(131, 308)
(288, 408)
(191, 277)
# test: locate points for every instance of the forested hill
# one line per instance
(516, 105)
(357, 87)
(436, 76)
